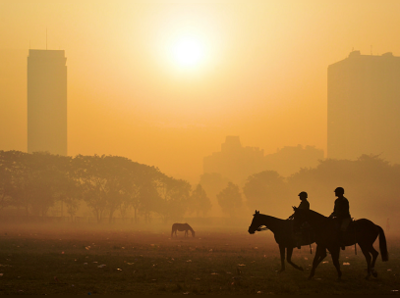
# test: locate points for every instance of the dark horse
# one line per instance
(182, 227)
(283, 233)
(362, 231)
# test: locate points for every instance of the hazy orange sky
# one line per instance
(261, 74)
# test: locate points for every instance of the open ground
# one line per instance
(126, 260)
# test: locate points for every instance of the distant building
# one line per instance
(47, 101)
(237, 163)
(364, 107)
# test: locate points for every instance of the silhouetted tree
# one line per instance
(174, 194)
(199, 201)
(15, 162)
(267, 191)
(44, 177)
(94, 184)
(6, 179)
(370, 183)
(149, 199)
(140, 192)
(213, 183)
(230, 199)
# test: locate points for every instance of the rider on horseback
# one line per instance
(304, 204)
(304, 230)
(341, 211)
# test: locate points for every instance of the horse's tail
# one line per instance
(382, 245)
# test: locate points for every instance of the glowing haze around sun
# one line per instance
(188, 51)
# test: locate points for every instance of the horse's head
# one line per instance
(255, 224)
(193, 233)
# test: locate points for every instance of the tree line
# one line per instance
(110, 185)
(105, 184)
(371, 184)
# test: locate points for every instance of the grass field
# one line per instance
(35, 260)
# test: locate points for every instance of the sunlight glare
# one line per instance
(188, 52)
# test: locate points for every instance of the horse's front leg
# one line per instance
(282, 252)
(289, 259)
(335, 252)
(320, 254)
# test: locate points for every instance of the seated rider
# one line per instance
(304, 204)
(341, 211)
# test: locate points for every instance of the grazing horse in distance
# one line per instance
(362, 232)
(283, 233)
(182, 227)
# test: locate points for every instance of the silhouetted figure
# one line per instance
(362, 231)
(304, 203)
(182, 227)
(341, 211)
(283, 233)
(304, 230)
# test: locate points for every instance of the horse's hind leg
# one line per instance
(374, 257)
(366, 251)
(289, 259)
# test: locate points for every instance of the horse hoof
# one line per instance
(374, 273)
(301, 268)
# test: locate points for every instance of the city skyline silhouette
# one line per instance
(199, 146)
(263, 79)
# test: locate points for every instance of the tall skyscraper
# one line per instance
(47, 101)
(364, 107)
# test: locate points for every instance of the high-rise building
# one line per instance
(364, 107)
(47, 101)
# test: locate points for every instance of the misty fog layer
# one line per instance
(110, 189)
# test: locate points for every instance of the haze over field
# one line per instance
(164, 82)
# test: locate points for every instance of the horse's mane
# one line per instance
(272, 217)
(312, 212)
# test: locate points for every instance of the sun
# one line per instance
(188, 51)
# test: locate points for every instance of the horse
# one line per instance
(182, 227)
(362, 232)
(283, 233)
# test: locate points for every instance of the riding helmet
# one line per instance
(339, 190)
